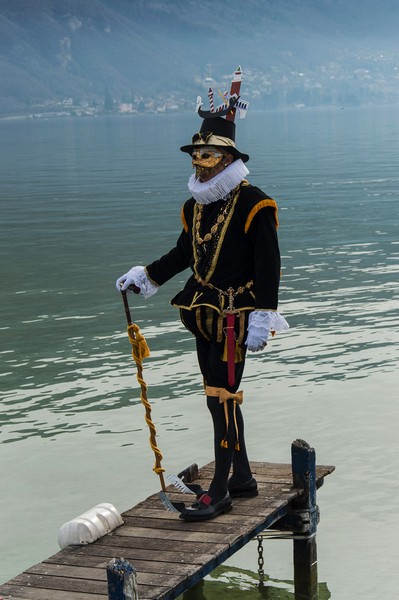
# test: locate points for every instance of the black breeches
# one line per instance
(208, 328)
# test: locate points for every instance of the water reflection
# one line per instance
(236, 584)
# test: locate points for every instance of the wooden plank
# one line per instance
(160, 525)
(78, 572)
(59, 583)
(266, 492)
(9, 592)
(57, 575)
(268, 496)
(175, 535)
(141, 560)
(268, 472)
(164, 554)
(89, 586)
(283, 470)
(153, 544)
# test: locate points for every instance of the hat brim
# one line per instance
(229, 149)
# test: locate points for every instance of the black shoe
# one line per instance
(203, 510)
(249, 489)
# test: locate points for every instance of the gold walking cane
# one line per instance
(140, 351)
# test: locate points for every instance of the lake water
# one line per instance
(84, 200)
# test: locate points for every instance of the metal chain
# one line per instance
(261, 561)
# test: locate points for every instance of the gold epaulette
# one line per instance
(183, 220)
(262, 204)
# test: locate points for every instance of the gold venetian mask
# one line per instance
(206, 157)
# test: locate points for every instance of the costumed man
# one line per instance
(229, 241)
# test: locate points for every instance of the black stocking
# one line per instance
(223, 456)
(241, 469)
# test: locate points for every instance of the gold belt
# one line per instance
(230, 293)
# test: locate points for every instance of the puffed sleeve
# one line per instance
(261, 227)
(177, 259)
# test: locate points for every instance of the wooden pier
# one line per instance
(171, 555)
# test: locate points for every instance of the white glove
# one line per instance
(258, 330)
(260, 323)
(137, 276)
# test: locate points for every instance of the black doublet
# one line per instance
(242, 253)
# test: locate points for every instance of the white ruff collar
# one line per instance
(219, 186)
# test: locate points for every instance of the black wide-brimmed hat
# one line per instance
(218, 132)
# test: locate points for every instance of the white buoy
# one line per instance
(90, 526)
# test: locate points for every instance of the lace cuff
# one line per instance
(271, 320)
(147, 287)
(141, 280)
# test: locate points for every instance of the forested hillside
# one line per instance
(106, 52)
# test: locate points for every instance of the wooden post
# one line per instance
(189, 474)
(122, 581)
(305, 569)
(305, 550)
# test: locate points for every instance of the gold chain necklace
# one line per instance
(218, 223)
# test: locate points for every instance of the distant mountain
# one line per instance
(98, 51)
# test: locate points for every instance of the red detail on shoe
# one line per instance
(205, 499)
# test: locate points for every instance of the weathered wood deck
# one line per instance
(170, 555)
